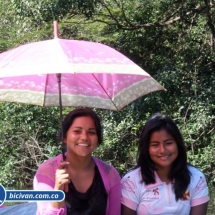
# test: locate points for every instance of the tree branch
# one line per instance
(131, 26)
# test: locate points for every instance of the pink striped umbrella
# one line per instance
(89, 74)
(92, 74)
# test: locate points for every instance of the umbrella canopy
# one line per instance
(72, 73)
(92, 74)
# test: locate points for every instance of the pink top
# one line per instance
(45, 180)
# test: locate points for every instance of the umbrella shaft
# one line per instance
(61, 115)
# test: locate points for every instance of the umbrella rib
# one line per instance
(105, 91)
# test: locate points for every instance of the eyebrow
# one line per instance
(82, 128)
(170, 139)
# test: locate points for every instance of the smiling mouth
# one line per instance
(164, 157)
(82, 144)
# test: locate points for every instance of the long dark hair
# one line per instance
(179, 171)
(79, 112)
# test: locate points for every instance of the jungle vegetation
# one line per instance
(173, 40)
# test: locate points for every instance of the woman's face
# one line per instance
(163, 149)
(81, 138)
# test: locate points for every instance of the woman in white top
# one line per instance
(163, 182)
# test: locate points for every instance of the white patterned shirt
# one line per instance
(159, 198)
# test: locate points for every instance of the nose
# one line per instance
(84, 135)
(162, 148)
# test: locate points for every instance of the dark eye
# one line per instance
(76, 131)
(92, 132)
(154, 145)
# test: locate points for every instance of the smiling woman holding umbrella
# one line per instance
(91, 186)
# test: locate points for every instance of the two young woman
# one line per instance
(162, 183)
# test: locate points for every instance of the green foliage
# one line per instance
(27, 138)
(172, 40)
(41, 11)
(120, 138)
(202, 158)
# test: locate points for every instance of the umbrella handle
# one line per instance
(66, 188)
